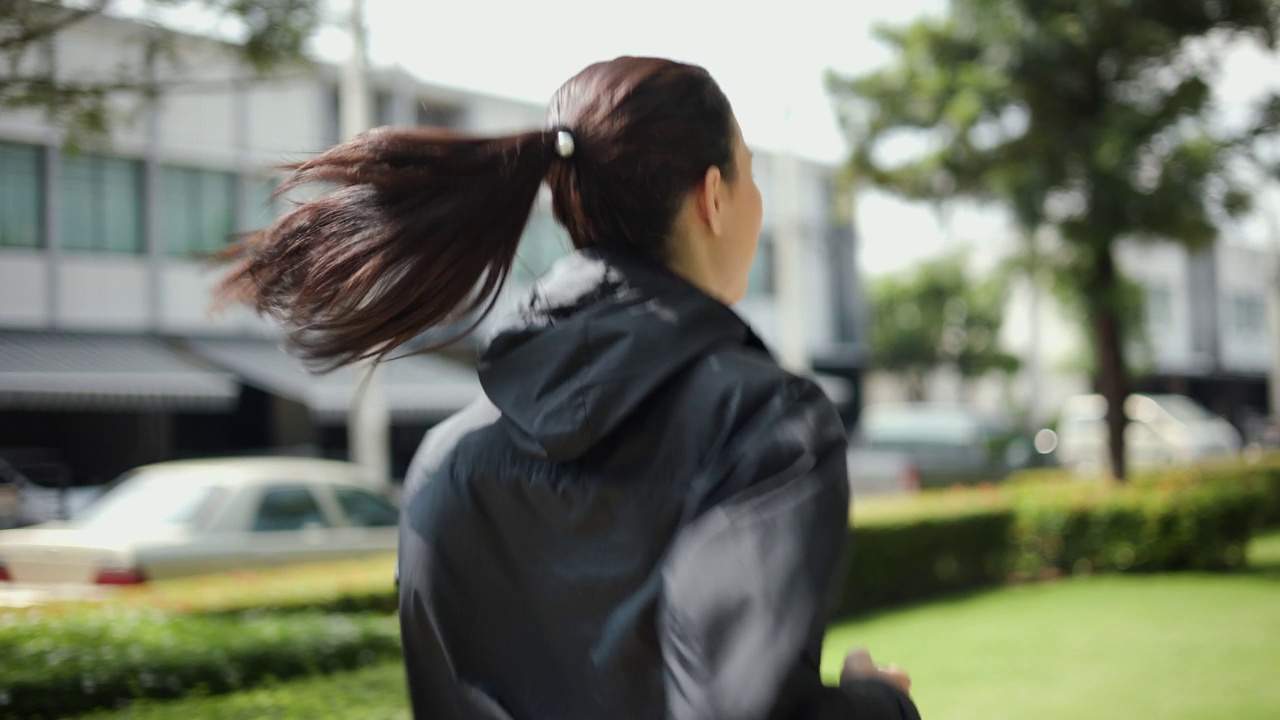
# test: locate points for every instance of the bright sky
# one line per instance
(769, 59)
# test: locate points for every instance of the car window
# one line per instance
(149, 502)
(288, 509)
(366, 509)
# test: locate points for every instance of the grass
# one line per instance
(1174, 647)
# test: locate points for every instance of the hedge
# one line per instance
(916, 548)
(349, 586)
(81, 662)
(1132, 529)
(373, 693)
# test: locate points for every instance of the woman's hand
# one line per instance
(858, 664)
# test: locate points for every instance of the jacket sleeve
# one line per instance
(747, 584)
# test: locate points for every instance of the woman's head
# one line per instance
(425, 225)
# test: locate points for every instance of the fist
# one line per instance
(858, 664)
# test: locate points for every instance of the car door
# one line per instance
(369, 520)
(290, 526)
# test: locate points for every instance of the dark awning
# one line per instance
(72, 371)
(418, 387)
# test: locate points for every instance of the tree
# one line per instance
(1092, 118)
(933, 317)
(270, 34)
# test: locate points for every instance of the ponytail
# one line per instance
(421, 231)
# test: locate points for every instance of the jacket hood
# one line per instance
(600, 334)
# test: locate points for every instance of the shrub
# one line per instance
(939, 543)
(1100, 527)
(374, 693)
(84, 661)
(349, 586)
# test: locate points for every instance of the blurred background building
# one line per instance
(109, 356)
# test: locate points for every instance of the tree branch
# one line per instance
(42, 31)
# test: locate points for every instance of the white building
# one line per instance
(108, 354)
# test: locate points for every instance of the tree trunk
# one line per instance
(1109, 347)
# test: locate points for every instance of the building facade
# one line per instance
(109, 355)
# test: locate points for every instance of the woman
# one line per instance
(643, 515)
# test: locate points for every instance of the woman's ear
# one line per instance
(710, 207)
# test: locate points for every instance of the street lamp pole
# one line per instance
(368, 419)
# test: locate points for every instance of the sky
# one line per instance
(770, 59)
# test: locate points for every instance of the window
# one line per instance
(1159, 307)
(21, 196)
(262, 209)
(544, 242)
(1248, 315)
(101, 208)
(761, 281)
(365, 509)
(198, 209)
(285, 509)
(430, 114)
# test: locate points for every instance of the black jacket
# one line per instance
(641, 520)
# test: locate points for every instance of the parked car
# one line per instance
(881, 472)
(200, 516)
(36, 489)
(944, 444)
(1163, 430)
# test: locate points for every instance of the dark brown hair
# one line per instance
(424, 225)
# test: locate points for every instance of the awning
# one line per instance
(73, 371)
(416, 388)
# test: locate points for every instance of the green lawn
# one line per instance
(1173, 647)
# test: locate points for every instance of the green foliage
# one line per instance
(1044, 523)
(349, 586)
(1093, 118)
(374, 693)
(1081, 529)
(937, 316)
(898, 560)
(82, 662)
(272, 35)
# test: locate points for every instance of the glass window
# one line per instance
(544, 242)
(1159, 307)
(144, 503)
(21, 196)
(198, 210)
(263, 210)
(1248, 315)
(430, 114)
(101, 207)
(285, 509)
(760, 281)
(365, 509)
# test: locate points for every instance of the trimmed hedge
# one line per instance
(1132, 529)
(373, 693)
(916, 548)
(82, 662)
(892, 561)
(348, 586)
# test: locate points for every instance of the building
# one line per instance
(108, 355)
(1206, 325)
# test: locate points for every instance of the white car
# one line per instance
(1163, 430)
(200, 516)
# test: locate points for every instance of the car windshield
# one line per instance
(1184, 409)
(903, 428)
(148, 502)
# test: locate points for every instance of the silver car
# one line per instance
(201, 516)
